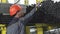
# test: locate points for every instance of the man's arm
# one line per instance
(29, 16)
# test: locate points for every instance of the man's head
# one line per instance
(15, 9)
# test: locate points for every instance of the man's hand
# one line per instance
(37, 4)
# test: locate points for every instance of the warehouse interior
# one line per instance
(46, 19)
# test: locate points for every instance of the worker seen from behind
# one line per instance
(17, 25)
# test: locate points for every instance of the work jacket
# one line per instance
(17, 24)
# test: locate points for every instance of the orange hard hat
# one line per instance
(14, 9)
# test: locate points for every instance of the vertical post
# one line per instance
(27, 30)
(39, 29)
(39, 1)
(26, 2)
(3, 30)
(4, 1)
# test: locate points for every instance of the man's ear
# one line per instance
(16, 13)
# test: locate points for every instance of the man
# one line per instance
(17, 24)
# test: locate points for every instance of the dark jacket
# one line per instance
(17, 24)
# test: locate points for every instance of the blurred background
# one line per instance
(45, 21)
